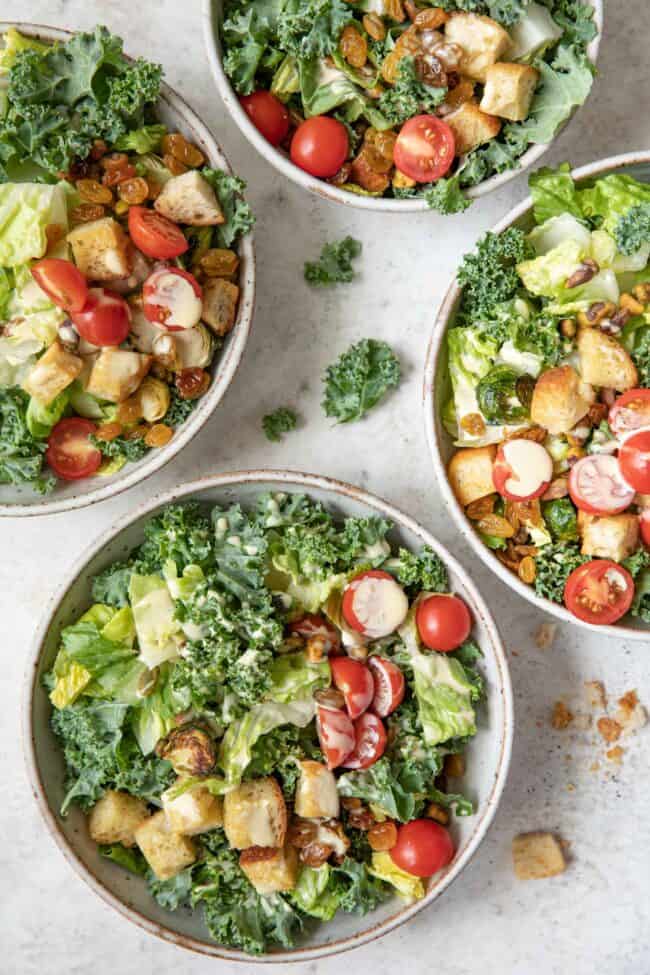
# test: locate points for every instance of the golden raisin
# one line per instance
(383, 836)
(137, 433)
(133, 191)
(114, 160)
(219, 262)
(108, 431)
(177, 146)
(158, 435)
(436, 812)
(394, 10)
(481, 507)
(86, 212)
(130, 411)
(91, 191)
(473, 423)
(431, 19)
(99, 149)
(455, 766)
(155, 189)
(527, 570)
(174, 165)
(407, 44)
(117, 174)
(192, 383)
(495, 525)
(315, 854)
(354, 46)
(374, 26)
(455, 97)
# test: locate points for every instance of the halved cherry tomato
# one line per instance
(522, 470)
(268, 115)
(600, 591)
(631, 411)
(62, 282)
(597, 487)
(313, 625)
(69, 452)
(355, 681)
(369, 742)
(155, 235)
(389, 686)
(645, 526)
(173, 298)
(335, 734)
(425, 148)
(320, 146)
(634, 461)
(105, 318)
(423, 847)
(374, 604)
(443, 622)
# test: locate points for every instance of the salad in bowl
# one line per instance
(254, 722)
(548, 404)
(119, 263)
(423, 103)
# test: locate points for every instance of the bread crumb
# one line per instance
(595, 694)
(609, 729)
(561, 717)
(629, 701)
(615, 755)
(594, 767)
(537, 855)
(545, 635)
(582, 722)
(631, 715)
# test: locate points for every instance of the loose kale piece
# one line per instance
(409, 96)
(239, 216)
(335, 263)
(131, 450)
(489, 276)
(422, 571)
(554, 564)
(21, 455)
(633, 229)
(359, 379)
(446, 196)
(281, 421)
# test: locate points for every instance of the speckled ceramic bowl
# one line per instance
(437, 388)
(212, 15)
(21, 500)
(487, 758)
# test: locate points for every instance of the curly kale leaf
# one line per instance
(489, 276)
(409, 96)
(131, 450)
(638, 565)
(359, 379)
(334, 265)
(112, 585)
(279, 752)
(424, 570)
(554, 564)
(506, 12)
(279, 422)
(181, 533)
(179, 409)
(21, 455)
(632, 231)
(358, 891)
(576, 18)
(446, 196)
(311, 28)
(239, 218)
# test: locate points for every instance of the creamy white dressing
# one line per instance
(177, 295)
(531, 467)
(380, 605)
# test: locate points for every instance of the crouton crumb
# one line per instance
(615, 755)
(595, 693)
(629, 701)
(537, 855)
(561, 717)
(631, 715)
(545, 635)
(609, 729)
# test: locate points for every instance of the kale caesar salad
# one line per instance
(118, 261)
(262, 712)
(408, 99)
(549, 360)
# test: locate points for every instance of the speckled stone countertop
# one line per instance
(593, 918)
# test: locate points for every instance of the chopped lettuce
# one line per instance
(565, 83)
(159, 633)
(26, 209)
(547, 275)
(315, 894)
(408, 887)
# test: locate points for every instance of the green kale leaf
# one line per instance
(424, 571)
(21, 454)
(409, 96)
(489, 276)
(239, 216)
(179, 409)
(334, 265)
(554, 564)
(311, 28)
(633, 229)
(279, 422)
(359, 379)
(132, 450)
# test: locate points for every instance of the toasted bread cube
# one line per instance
(254, 814)
(269, 870)
(100, 249)
(472, 127)
(470, 473)
(115, 818)
(604, 361)
(609, 537)
(537, 855)
(166, 852)
(117, 373)
(190, 199)
(316, 793)
(52, 373)
(509, 90)
(193, 812)
(560, 399)
(220, 299)
(484, 42)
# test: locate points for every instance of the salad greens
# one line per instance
(279, 422)
(335, 263)
(359, 379)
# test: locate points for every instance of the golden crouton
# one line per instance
(220, 299)
(537, 855)
(270, 870)
(560, 399)
(100, 249)
(483, 42)
(193, 812)
(609, 729)
(509, 90)
(561, 717)
(190, 199)
(115, 818)
(472, 127)
(470, 473)
(117, 373)
(316, 792)
(254, 814)
(608, 536)
(167, 853)
(52, 373)
(604, 361)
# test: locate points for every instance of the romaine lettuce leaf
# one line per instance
(564, 85)
(159, 633)
(25, 211)
(611, 197)
(408, 887)
(315, 894)
(547, 275)
(554, 193)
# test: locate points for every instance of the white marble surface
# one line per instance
(593, 918)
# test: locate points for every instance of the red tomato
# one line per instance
(369, 742)
(443, 622)
(423, 847)
(634, 461)
(313, 625)
(600, 591)
(596, 485)
(155, 235)
(268, 115)
(335, 734)
(320, 146)
(173, 298)
(425, 148)
(645, 526)
(522, 470)
(105, 318)
(62, 282)
(374, 604)
(69, 452)
(389, 686)
(355, 681)
(630, 412)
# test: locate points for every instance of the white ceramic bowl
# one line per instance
(437, 388)
(212, 10)
(488, 754)
(21, 500)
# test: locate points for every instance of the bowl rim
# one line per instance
(225, 367)
(434, 351)
(294, 480)
(332, 193)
